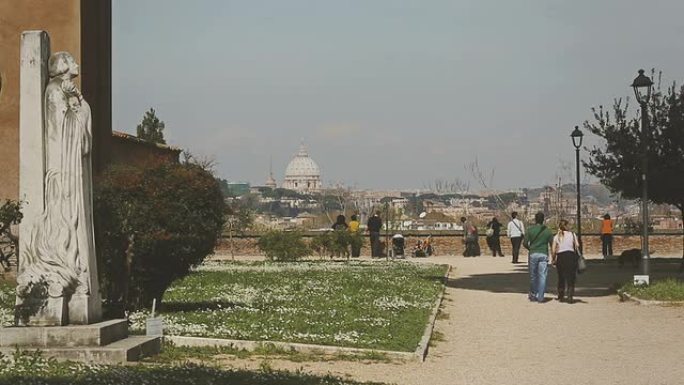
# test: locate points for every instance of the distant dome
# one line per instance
(302, 174)
(302, 165)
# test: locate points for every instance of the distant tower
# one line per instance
(302, 174)
(271, 182)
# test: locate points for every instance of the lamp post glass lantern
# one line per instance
(577, 136)
(643, 86)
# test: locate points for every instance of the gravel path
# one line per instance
(493, 335)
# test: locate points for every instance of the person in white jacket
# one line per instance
(516, 232)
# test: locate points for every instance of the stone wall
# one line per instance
(661, 245)
(82, 28)
(128, 149)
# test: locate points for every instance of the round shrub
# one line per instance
(285, 246)
(153, 222)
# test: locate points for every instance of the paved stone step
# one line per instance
(97, 334)
(132, 348)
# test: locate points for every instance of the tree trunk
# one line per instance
(232, 244)
(128, 263)
(681, 211)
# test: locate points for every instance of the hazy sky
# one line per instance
(385, 93)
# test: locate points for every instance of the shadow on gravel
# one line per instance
(601, 278)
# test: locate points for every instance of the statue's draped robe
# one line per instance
(62, 244)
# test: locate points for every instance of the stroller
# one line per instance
(398, 244)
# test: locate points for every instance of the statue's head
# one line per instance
(62, 63)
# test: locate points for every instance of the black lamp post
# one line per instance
(387, 237)
(643, 85)
(577, 136)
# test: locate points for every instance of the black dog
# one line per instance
(631, 255)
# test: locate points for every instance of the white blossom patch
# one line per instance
(359, 304)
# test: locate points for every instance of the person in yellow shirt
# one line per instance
(356, 236)
(607, 236)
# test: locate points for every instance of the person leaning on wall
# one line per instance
(607, 236)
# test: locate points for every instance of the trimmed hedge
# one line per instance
(283, 246)
(153, 222)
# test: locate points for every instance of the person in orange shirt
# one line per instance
(355, 236)
(607, 236)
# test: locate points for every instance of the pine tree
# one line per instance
(617, 162)
(151, 128)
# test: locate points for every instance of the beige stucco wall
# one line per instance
(60, 18)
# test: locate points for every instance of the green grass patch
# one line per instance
(31, 368)
(174, 354)
(664, 290)
(373, 305)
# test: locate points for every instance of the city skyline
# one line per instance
(388, 94)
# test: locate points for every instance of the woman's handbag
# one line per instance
(581, 262)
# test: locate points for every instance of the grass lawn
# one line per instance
(212, 354)
(663, 290)
(376, 305)
(30, 368)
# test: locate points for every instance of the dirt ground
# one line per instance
(493, 335)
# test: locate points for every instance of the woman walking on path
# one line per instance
(516, 231)
(493, 233)
(355, 236)
(564, 256)
(607, 236)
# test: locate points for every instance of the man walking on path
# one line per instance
(537, 240)
(516, 231)
(374, 226)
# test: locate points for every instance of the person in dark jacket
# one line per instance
(340, 223)
(470, 239)
(374, 226)
(493, 240)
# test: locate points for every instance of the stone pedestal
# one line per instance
(84, 309)
(104, 342)
(36, 311)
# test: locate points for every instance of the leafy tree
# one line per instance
(617, 162)
(223, 185)
(151, 128)
(153, 222)
(10, 214)
(239, 218)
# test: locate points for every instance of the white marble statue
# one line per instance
(58, 274)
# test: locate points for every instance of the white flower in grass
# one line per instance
(6, 317)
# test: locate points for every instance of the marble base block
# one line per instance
(98, 334)
(34, 311)
(83, 310)
(105, 342)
